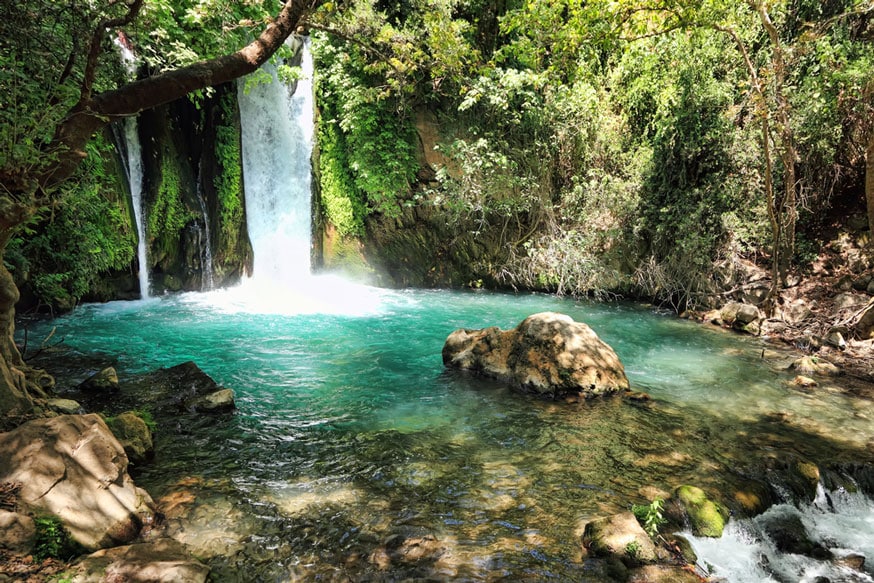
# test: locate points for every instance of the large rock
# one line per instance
(72, 466)
(184, 387)
(161, 561)
(619, 536)
(548, 354)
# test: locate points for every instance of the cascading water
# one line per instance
(277, 144)
(133, 159)
(277, 135)
(134, 167)
(208, 279)
(832, 539)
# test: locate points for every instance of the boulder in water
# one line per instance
(184, 387)
(217, 402)
(619, 536)
(547, 354)
(72, 466)
(789, 535)
(134, 435)
(104, 381)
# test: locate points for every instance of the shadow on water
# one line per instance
(506, 500)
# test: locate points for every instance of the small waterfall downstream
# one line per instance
(839, 526)
(277, 132)
(133, 164)
(208, 277)
(134, 168)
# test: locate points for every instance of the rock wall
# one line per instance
(184, 175)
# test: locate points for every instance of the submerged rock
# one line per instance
(548, 354)
(161, 561)
(813, 365)
(72, 466)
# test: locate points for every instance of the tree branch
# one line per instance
(92, 113)
(97, 38)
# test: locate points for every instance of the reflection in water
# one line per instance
(354, 454)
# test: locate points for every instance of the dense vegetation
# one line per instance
(603, 147)
(645, 147)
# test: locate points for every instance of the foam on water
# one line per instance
(840, 521)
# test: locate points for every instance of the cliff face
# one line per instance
(193, 194)
(425, 243)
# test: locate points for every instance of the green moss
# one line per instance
(168, 215)
(229, 181)
(707, 517)
(64, 252)
(52, 539)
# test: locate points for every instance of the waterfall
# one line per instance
(277, 128)
(133, 165)
(134, 169)
(208, 279)
(277, 136)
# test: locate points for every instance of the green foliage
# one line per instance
(632, 550)
(53, 540)
(167, 215)
(650, 516)
(171, 33)
(36, 40)
(65, 251)
(342, 202)
(229, 182)
(377, 136)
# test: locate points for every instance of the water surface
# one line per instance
(354, 454)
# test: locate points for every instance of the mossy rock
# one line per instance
(134, 436)
(707, 517)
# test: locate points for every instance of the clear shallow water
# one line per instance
(353, 453)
